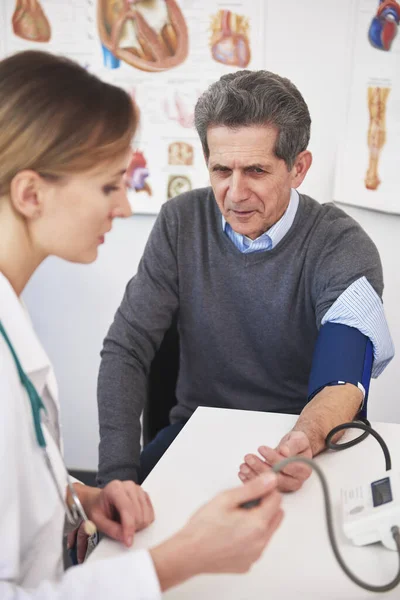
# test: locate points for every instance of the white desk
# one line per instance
(298, 563)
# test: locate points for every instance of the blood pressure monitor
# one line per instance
(370, 510)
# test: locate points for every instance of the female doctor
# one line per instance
(64, 146)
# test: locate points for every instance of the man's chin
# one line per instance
(243, 227)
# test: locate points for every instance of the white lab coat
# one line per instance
(31, 514)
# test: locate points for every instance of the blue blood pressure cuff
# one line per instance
(342, 354)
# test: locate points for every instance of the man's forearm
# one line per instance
(149, 304)
(332, 406)
(121, 393)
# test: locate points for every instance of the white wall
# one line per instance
(72, 306)
(384, 404)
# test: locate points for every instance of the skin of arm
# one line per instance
(332, 406)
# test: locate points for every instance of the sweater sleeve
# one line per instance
(348, 254)
(145, 314)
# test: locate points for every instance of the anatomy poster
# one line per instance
(369, 156)
(164, 53)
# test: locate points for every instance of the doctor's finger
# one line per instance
(127, 506)
(148, 511)
(136, 505)
(130, 514)
(111, 528)
(146, 515)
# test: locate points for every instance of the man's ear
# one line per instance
(300, 168)
(25, 194)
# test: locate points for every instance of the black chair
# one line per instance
(163, 376)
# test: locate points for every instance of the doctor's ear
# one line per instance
(25, 194)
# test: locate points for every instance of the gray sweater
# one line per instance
(247, 322)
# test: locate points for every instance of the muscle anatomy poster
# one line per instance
(164, 53)
(369, 155)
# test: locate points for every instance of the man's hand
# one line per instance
(294, 443)
(118, 510)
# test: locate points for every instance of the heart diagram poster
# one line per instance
(164, 53)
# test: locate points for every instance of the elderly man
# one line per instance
(278, 297)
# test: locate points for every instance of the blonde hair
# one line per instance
(57, 119)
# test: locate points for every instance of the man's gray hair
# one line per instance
(249, 98)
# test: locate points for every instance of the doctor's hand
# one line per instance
(118, 510)
(294, 443)
(222, 537)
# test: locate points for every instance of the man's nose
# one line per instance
(237, 188)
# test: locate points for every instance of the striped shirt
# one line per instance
(359, 306)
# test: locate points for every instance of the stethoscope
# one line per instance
(75, 513)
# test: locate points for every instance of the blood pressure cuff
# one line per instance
(342, 354)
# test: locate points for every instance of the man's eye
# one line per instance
(256, 170)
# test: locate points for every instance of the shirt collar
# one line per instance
(19, 329)
(278, 231)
